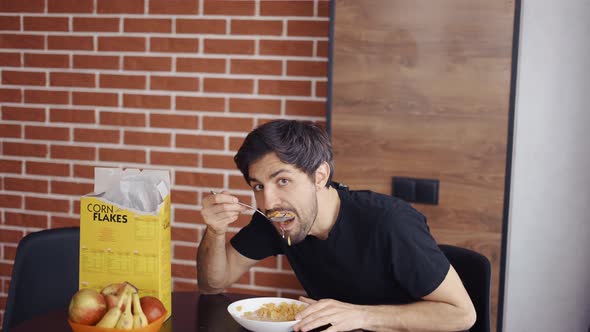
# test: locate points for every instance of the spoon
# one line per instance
(281, 218)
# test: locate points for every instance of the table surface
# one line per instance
(191, 311)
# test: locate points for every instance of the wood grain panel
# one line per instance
(421, 89)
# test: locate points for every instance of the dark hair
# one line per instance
(298, 143)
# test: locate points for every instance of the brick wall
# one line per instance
(173, 84)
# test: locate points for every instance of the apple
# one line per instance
(111, 289)
(152, 307)
(87, 307)
(111, 300)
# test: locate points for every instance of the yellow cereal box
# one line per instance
(121, 243)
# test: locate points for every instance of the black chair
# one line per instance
(45, 274)
(475, 272)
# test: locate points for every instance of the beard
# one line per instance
(305, 219)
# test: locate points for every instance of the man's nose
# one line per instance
(271, 199)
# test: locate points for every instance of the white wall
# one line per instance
(548, 259)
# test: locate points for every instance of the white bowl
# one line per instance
(257, 325)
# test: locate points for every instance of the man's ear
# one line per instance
(322, 173)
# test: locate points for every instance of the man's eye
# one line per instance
(257, 187)
(283, 182)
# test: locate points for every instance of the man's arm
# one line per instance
(447, 308)
(218, 263)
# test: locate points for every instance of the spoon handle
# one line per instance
(244, 204)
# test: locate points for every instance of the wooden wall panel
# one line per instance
(421, 89)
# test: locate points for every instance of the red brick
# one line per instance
(185, 234)
(199, 142)
(322, 49)
(184, 271)
(73, 152)
(183, 7)
(10, 166)
(71, 188)
(228, 124)
(286, 47)
(10, 59)
(174, 83)
(286, 8)
(96, 62)
(9, 22)
(40, 168)
(58, 222)
(23, 114)
(229, 46)
(47, 133)
(120, 155)
(96, 135)
(11, 236)
(146, 101)
(10, 95)
(9, 130)
(208, 104)
(184, 197)
(147, 63)
(24, 149)
(41, 23)
(46, 97)
(47, 204)
(235, 288)
(174, 158)
(305, 108)
(235, 143)
(185, 252)
(256, 27)
(22, 41)
(256, 67)
(217, 161)
(72, 79)
(148, 25)
(120, 7)
(184, 286)
(174, 121)
(23, 77)
(70, 6)
(45, 60)
(308, 28)
(237, 182)
(266, 106)
(147, 138)
(9, 201)
(237, 7)
(84, 171)
(26, 220)
(321, 89)
(129, 44)
(228, 85)
(174, 45)
(196, 179)
(287, 88)
(71, 115)
(307, 68)
(122, 119)
(20, 6)
(200, 26)
(28, 185)
(324, 8)
(200, 65)
(188, 216)
(83, 43)
(95, 98)
(96, 24)
(122, 81)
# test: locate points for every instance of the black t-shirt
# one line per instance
(380, 251)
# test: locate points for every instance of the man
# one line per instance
(366, 260)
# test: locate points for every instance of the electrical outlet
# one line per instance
(414, 190)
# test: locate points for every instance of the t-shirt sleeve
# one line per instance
(416, 260)
(257, 240)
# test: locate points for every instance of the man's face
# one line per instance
(282, 187)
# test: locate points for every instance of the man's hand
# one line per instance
(342, 316)
(219, 211)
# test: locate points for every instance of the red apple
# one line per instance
(87, 307)
(111, 300)
(152, 307)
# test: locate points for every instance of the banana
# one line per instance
(111, 289)
(110, 319)
(125, 321)
(139, 318)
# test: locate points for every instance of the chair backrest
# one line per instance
(475, 272)
(44, 275)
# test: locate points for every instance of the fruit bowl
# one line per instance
(153, 327)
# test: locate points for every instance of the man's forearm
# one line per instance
(212, 263)
(420, 316)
